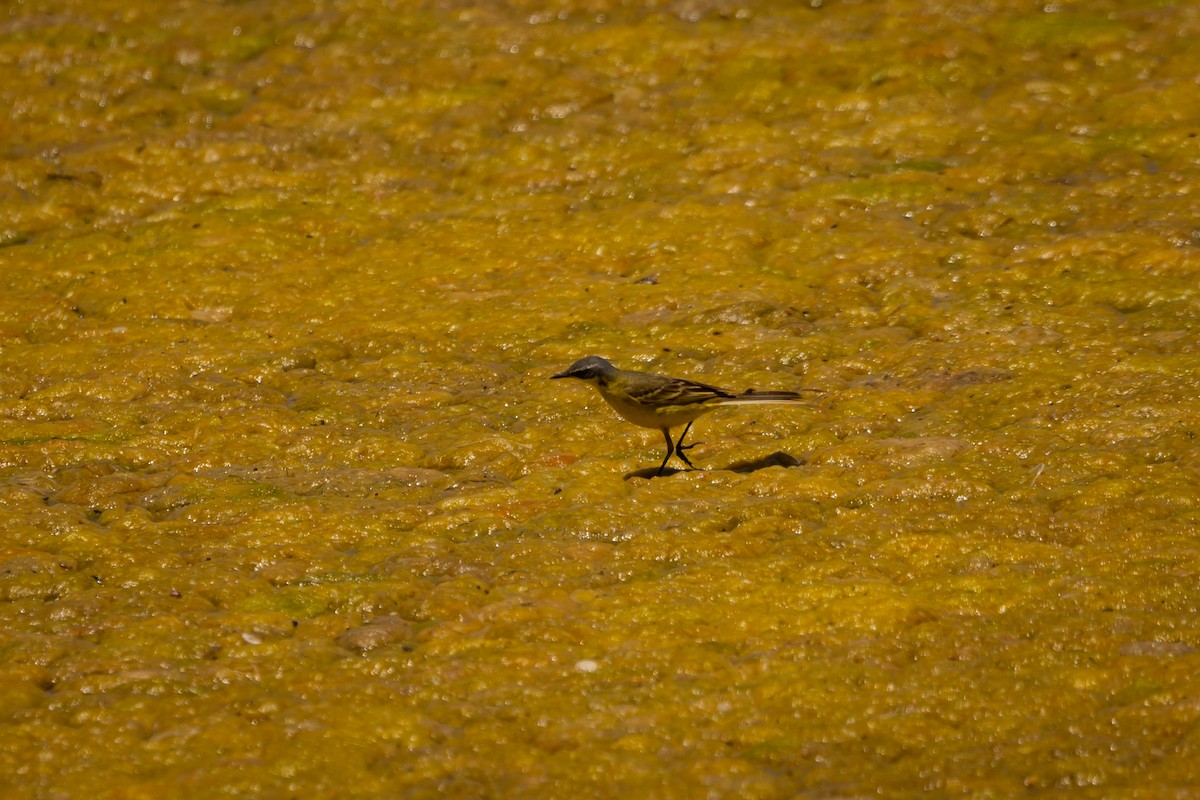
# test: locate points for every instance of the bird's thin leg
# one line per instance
(680, 446)
(670, 450)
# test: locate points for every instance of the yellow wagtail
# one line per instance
(657, 401)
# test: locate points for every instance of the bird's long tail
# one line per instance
(751, 396)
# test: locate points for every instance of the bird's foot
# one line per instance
(683, 456)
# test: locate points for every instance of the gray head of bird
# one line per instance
(592, 368)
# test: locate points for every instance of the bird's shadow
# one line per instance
(776, 459)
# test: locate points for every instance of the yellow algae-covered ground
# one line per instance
(288, 507)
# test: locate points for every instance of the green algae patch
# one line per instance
(1068, 31)
(300, 602)
(289, 506)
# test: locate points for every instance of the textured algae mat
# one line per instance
(288, 507)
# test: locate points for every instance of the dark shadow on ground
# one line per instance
(776, 459)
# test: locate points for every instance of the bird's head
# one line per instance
(593, 369)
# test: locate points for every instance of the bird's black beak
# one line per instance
(566, 374)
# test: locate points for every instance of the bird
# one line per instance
(662, 402)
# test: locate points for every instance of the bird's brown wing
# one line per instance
(677, 392)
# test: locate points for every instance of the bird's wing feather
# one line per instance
(677, 392)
